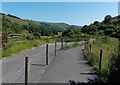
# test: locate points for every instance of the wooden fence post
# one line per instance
(85, 44)
(93, 42)
(87, 41)
(118, 46)
(90, 47)
(55, 47)
(27, 67)
(46, 54)
(100, 64)
(61, 43)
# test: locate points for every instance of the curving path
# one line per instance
(68, 65)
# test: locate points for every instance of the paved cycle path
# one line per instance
(68, 65)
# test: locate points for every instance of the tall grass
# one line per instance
(14, 47)
(109, 47)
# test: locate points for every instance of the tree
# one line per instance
(85, 29)
(107, 19)
(96, 23)
(72, 32)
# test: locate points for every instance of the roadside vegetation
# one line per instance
(33, 33)
(106, 35)
(66, 47)
(109, 48)
(15, 47)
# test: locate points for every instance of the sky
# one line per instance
(74, 13)
(60, 0)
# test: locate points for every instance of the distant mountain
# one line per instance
(79, 27)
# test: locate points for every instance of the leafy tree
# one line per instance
(72, 34)
(96, 23)
(85, 29)
(107, 19)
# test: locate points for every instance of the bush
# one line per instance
(29, 38)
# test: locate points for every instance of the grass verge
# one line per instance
(66, 47)
(109, 47)
(15, 47)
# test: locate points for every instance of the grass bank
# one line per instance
(66, 47)
(15, 47)
(109, 48)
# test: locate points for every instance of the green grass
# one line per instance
(66, 47)
(109, 47)
(15, 47)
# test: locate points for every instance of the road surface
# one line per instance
(13, 67)
(68, 65)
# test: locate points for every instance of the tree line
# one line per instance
(109, 26)
(31, 30)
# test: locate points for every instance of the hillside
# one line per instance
(15, 19)
(28, 28)
(110, 26)
(76, 26)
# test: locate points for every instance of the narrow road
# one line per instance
(13, 67)
(68, 65)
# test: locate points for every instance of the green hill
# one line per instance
(28, 28)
